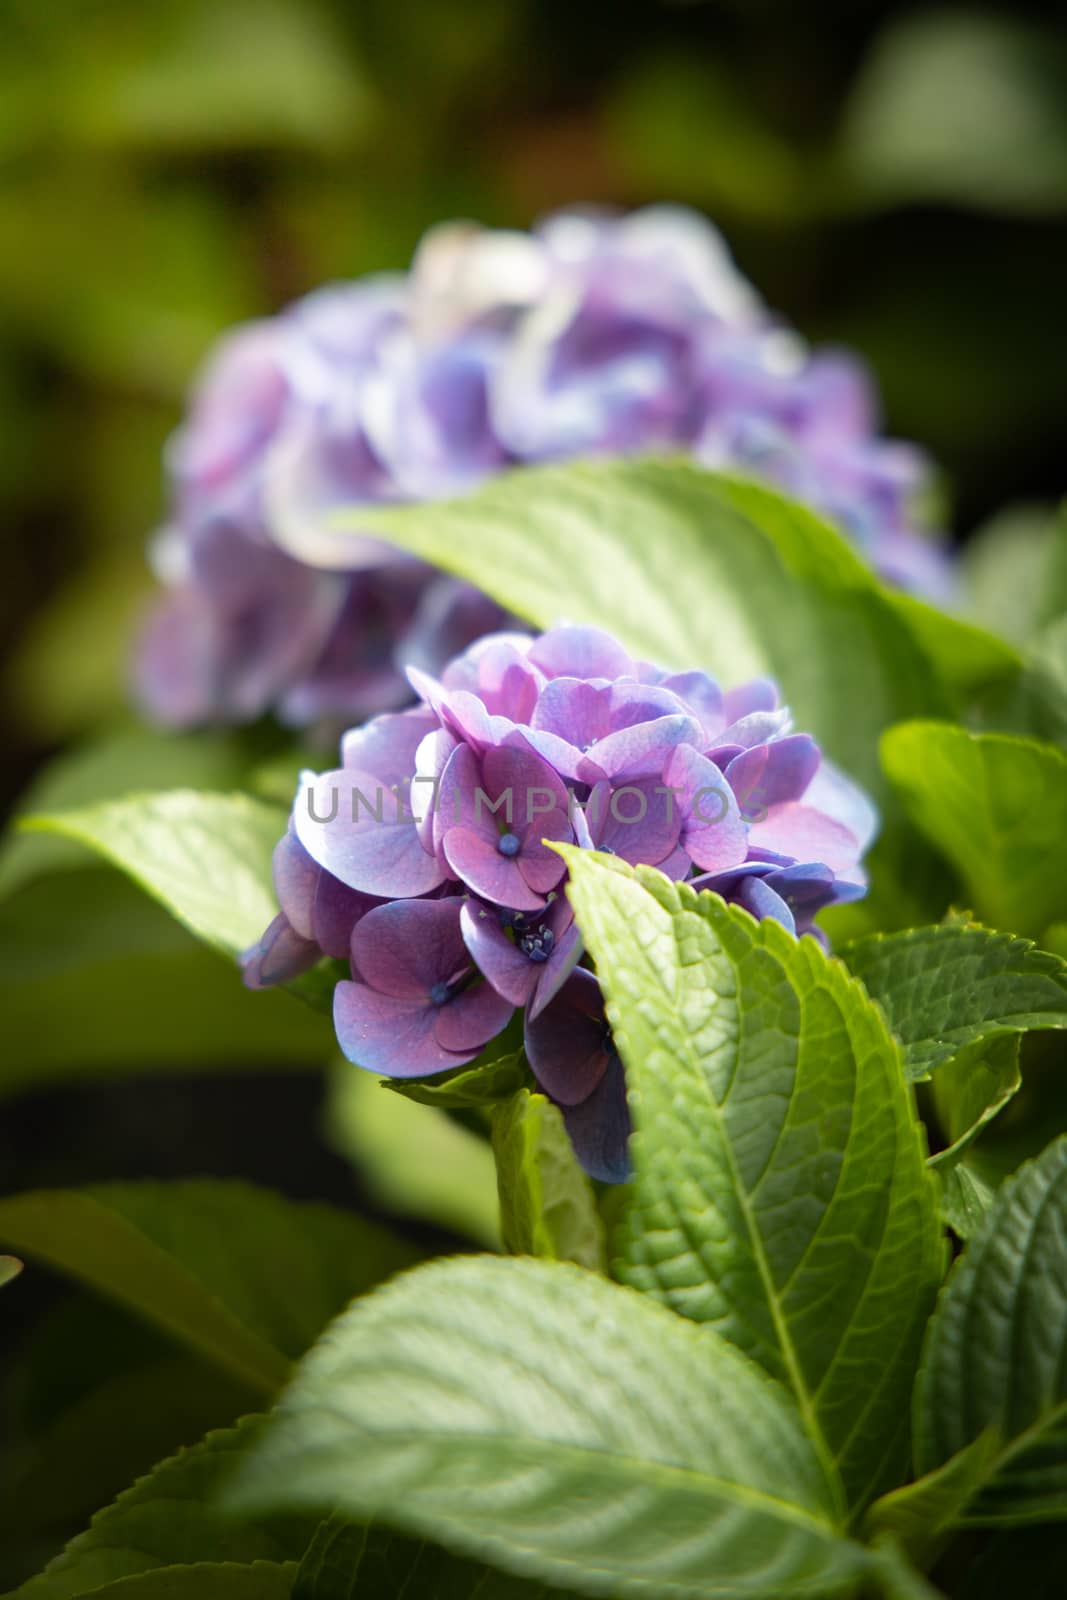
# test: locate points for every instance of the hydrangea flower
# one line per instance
(422, 859)
(594, 334)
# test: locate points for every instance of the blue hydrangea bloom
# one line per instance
(593, 334)
(423, 859)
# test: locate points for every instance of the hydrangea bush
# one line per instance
(428, 858)
(685, 1029)
(591, 335)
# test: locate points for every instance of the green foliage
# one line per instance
(347, 1560)
(961, 106)
(206, 857)
(242, 1276)
(994, 1354)
(956, 996)
(493, 1077)
(763, 1084)
(996, 806)
(547, 1206)
(564, 1428)
(965, 1198)
(164, 1519)
(955, 985)
(106, 768)
(766, 584)
(99, 981)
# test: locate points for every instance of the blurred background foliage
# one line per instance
(890, 176)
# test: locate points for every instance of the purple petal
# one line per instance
(296, 879)
(364, 834)
(568, 1044)
(713, 831)
(384, 1034)
(336, 911)
(541, 866)
(469, 1021)
(279, 955)
(835, 794)
(599, 1127)
(757, 896)
(799, 831)
(702, 695)
(500, 961)
(580, 652)
(639, 822)
(385, 747)
(770, 774)
(761, 694)
(476, 860)
(755, 728)
(406, 947)
(642, 751)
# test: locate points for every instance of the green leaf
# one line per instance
(416, 1161)
(244, 1277)
(206, 857)
(996, 1352)
(963, 107)
(1015, 569)
(547, 1205)
(205, 1580)
(468, 1088)
(970, 1090)
(781, 1193)
(965, 1198)
(530, 1414)
(689, 569)
(957, 984)
(10, 1267)
(921, 1514)
(347, 1560)
(99, 981)
(996, 806)
(168, 1518)
(104, 769)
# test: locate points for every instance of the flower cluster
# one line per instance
(591, 335)
(426, 858)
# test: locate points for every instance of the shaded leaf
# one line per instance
(348, 1560)
(995, 1352)
(547, 1205)
(168, 1518)
(957, 984)
(244, 1277)
(996, 806)
(965, 1198)
(99, 981)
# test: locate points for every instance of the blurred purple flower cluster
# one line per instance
(425, 859)
(591, 335)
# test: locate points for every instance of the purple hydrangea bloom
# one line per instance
(415, 1003)
(426, 858)
(594, 334)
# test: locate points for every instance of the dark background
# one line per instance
(889, 176)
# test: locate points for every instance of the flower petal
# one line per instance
(407, 946)
(385, 1034)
